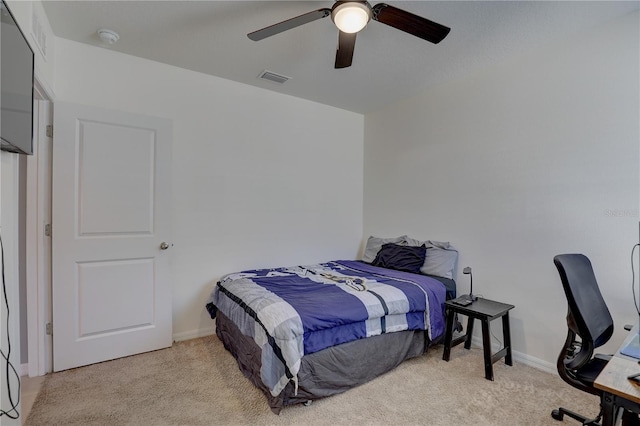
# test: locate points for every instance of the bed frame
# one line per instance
(320, 375)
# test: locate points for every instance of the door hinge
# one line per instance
(49, 329)
(47, 230)
(49, 130)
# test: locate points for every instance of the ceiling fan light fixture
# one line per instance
(351, 17)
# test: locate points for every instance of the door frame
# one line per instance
(38, 265)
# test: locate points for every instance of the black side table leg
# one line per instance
(467, 343)
(507, 338)
(486, 344)
(448, 335)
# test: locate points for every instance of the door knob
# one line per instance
(164, 246)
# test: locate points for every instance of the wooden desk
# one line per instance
(619, 392)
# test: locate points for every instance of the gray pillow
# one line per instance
(374, 244)
(441, 259)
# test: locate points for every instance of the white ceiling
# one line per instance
(388, 65)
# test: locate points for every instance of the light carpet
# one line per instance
(197, 382)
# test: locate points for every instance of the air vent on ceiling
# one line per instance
(271, 76)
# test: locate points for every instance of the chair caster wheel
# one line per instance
(556, 414)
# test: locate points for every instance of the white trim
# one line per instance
(42, 90)
(535, 362)
(31, 243)
(38, 267)
(24, 370)
(520, 357)
(193, 334)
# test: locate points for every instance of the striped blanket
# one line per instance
(290, 312)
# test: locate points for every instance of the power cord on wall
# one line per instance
(12, 413)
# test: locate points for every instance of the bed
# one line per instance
(306, 332)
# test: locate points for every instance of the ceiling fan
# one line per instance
(351, 17)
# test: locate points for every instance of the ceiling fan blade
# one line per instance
(346, 44)
(289, 24)
(410, 23)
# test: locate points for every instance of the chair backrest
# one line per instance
(588, 314)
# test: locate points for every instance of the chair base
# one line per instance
(561, 412)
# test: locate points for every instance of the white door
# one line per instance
(111, 230)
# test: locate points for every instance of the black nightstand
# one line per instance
(485, 310)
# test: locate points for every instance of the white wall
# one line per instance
(259, 179)
(9, 176)
(531, 158)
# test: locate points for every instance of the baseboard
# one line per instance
(520, 357)
(534, 362)
(194, 334)
(24, 370)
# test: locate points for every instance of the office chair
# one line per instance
(589, 326)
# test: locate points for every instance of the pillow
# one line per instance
(440, 262)
(441, 259)
(429, 243)
(374, 244)
(401, 258)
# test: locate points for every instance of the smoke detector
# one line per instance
(108, 36)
